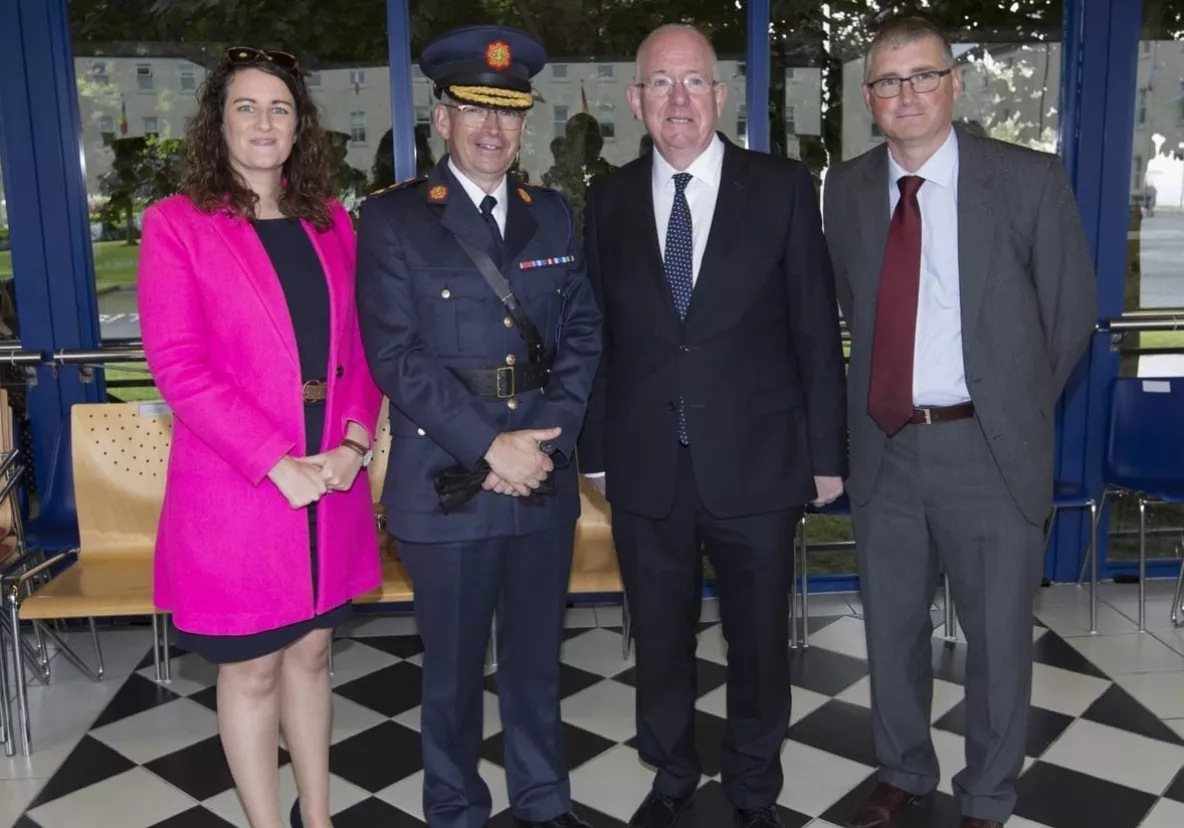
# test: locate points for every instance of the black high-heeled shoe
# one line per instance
(294, 818)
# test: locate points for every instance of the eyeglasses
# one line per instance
(243, 55)
(475, 117)
(660, 86)
(920, 82)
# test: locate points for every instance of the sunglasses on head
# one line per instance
(242, 55)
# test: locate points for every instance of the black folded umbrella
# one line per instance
(457, 485)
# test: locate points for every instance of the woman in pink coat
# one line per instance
(246, 291)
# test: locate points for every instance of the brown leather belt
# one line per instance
(944, 414)
(315, 391)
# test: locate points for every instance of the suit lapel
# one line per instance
(873, 213)
(729, 205)
(244, 245)
(976, 226)
(520, 224)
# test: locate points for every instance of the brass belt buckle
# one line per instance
(507, 371)
(313, 391)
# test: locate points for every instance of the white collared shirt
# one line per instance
(702, 192)
(939, 375)
(477, 195)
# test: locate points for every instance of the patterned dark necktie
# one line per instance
(679, 263)
(890, 391)
(487, 205)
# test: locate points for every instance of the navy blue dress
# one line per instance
(303, 280)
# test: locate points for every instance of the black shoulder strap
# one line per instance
(498, 284)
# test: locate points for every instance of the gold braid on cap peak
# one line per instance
(493, 96)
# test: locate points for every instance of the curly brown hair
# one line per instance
(210, 182)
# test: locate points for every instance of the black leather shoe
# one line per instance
(758, 818)
(568, 820)
(658, 811)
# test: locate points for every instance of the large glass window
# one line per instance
(1010, 59)
(1155, 243)
(581, 126)
(138, 67)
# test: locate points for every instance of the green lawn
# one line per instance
(115, 264)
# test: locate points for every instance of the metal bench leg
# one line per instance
(951, 613)
(165, 652)
(22, 691)
(156, 647)
(804, 564)
(94, 639)
(1092, 555)
(493, 643)
(1142, 565)
(627, 628)
(793, 584)
(1178, 598)
(5, 709)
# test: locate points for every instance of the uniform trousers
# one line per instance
(458, 588)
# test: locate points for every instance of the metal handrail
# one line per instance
(98, 356)
(1143, 321)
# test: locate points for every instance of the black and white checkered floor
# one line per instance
(133, 754)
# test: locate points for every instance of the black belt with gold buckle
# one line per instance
(943, 414)
(504, 381)
(315, 391)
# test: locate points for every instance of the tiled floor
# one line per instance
(1105, 747)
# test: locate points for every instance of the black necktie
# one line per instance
(487, 205)
(679, 263)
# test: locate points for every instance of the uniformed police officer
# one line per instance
(488, 392)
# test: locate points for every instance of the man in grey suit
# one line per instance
(964, 276)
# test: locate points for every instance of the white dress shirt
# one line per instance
(702, 191)
(939, 376)
(477, 194)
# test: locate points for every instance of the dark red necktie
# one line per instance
(890, 394)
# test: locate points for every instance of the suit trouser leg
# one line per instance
(662, 567)
(994, 557)
(456, 588)
(898, 577)
(530, 631)
(753, 561)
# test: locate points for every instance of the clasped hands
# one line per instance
(304, 480)
(517, 462)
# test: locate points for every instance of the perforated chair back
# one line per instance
(121, 454)
(1145, 444)
(382, 452)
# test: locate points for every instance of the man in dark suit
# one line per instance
(717, 415)
(487, 397)
(964, 276)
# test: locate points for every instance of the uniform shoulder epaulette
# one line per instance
(398, 186)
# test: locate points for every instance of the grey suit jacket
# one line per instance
(1028, 296)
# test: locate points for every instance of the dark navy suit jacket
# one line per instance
(424, 307)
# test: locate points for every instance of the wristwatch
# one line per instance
(367, 454)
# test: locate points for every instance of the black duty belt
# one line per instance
(505, 381)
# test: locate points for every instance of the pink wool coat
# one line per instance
(232, 557)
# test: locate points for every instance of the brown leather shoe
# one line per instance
(882, 806)
(975, 822)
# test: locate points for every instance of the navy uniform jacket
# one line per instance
(424, 307)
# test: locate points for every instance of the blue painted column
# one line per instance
(758, 75)
(398, 16)
(41, 151)
(1109, 78)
